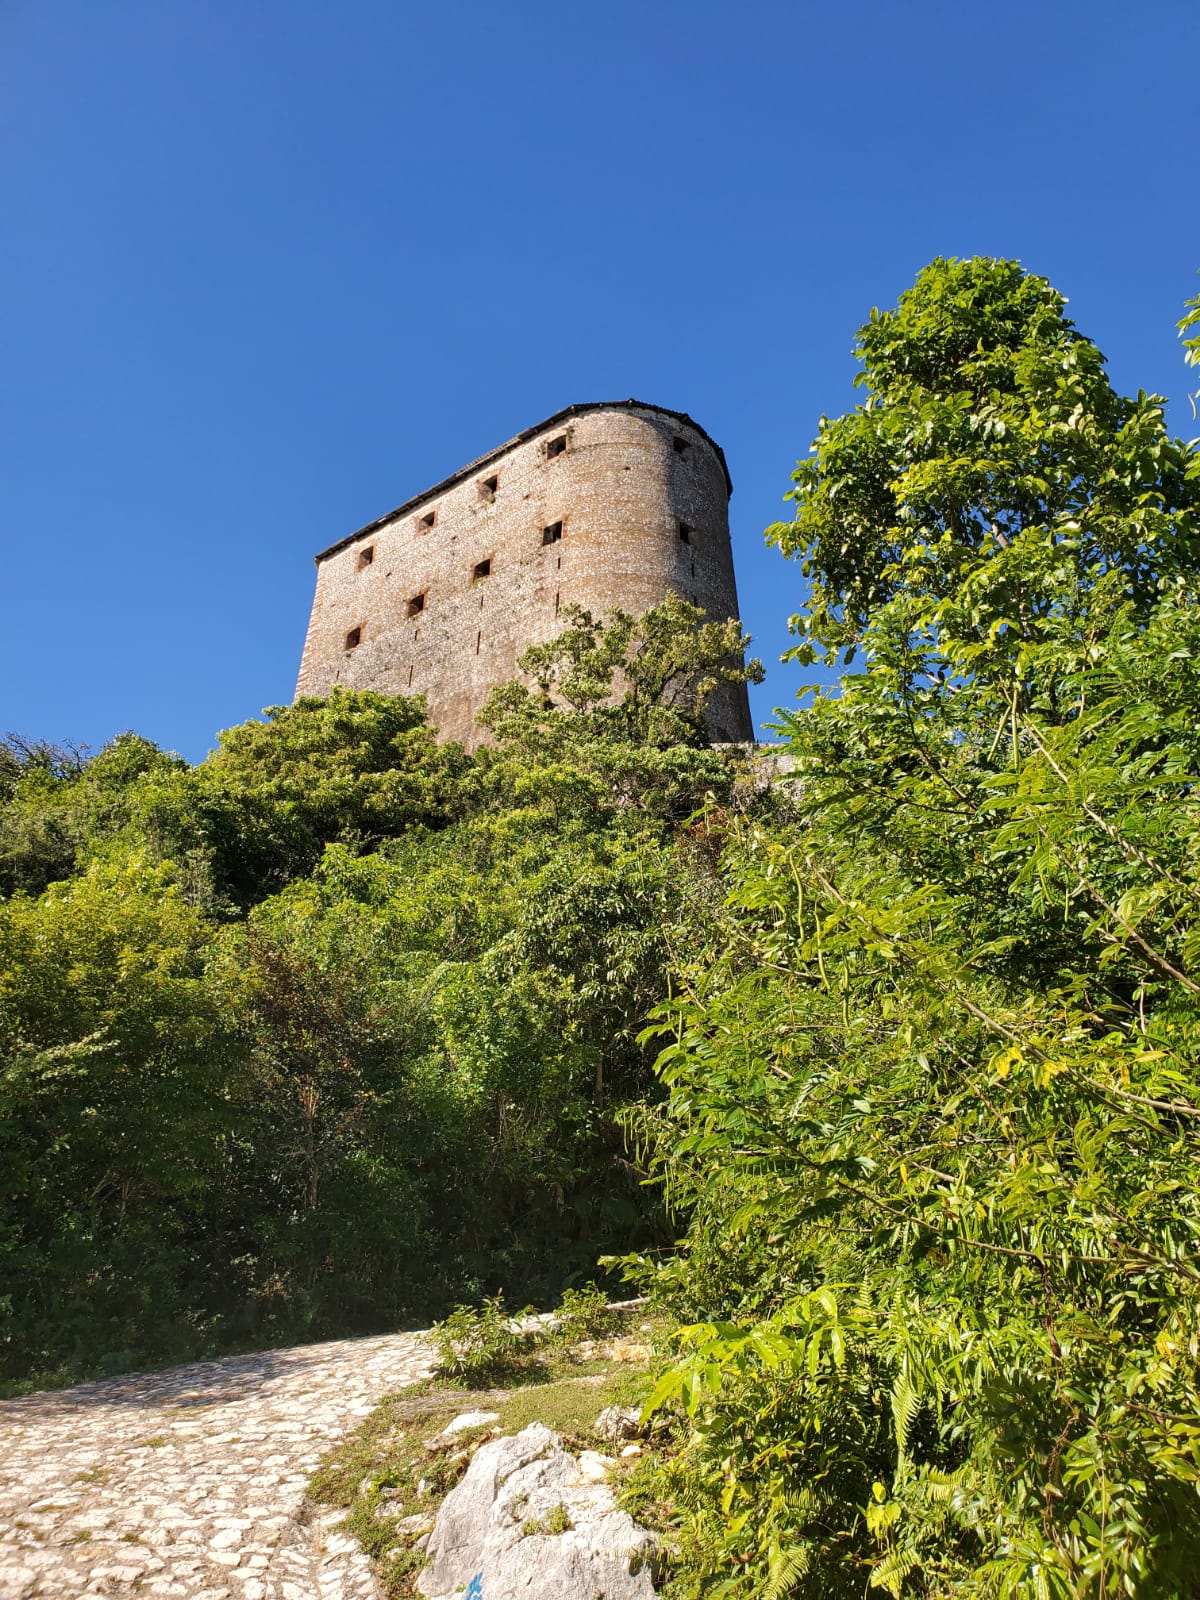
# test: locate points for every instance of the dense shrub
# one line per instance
(934, 1100)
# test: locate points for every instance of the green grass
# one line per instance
(556, 1520)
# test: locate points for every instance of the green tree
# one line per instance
(616, 709)
(357, 767)
(934, 1105)
(56, 803)
(114, 1119)
(991, 475)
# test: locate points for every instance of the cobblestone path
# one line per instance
(191, 1482)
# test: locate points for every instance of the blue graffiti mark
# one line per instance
(475, 1588)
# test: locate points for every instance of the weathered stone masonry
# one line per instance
(603, 506)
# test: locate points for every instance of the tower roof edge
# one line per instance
(527, 433)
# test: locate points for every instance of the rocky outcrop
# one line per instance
(529, 1520)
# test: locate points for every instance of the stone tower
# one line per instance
(607, 505)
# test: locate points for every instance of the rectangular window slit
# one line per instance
(478, 637)
(429, 520)
(557, 598)
(680, 446)
(555, 447)
(488, 487)
(353, 638)
(365, 557)
(685, 532)
(483, 569)
(415, 606)
(552, 534)
(410, 675)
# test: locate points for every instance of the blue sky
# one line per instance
(268, 268)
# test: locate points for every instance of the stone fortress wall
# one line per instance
(603, 506)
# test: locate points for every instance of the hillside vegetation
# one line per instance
(341, 1025)
(327, 1032)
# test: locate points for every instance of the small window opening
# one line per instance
(557, 598)
(415, 606)
(478, 638)
(555, 447)
(428, 521)
(353, 638)
(552, 534)
(365, 557)
(680, 446)
(488, 487)
(410, 675)
(685, 533)
(483, 569)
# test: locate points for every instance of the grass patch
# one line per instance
(391, 1475)
(556, 1520)
(570, 1404)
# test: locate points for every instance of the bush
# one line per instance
(481, 1346)
(583, 1314)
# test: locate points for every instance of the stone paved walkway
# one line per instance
(191, 1482)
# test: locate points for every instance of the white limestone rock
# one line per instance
(594, 1467)
(470, 1419)
(492, 1537)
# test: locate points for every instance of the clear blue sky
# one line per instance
(269, 267)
